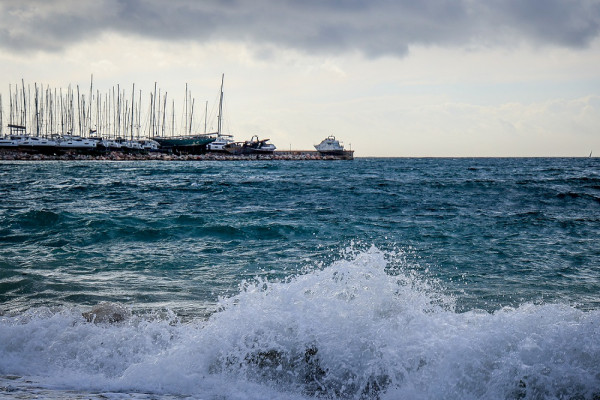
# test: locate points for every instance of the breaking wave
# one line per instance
(354, 329)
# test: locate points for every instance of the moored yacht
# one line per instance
(38, 143)
(252, 146)
(26, 142)
(76, 142)
(149, 145)
(16, 137)
(8, 142)
(12, 141)
(330, 146)
(130, 145)
(106, 145)
(220, 142)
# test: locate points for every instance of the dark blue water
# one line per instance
(504, 252)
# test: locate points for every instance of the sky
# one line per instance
(389, 78)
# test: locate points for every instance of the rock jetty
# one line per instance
(11, 155)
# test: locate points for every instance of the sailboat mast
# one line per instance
(24, 118)
(98, 99)
(62, 115)
(114, 113)
(164, 115)
(157, 117)
(37, 114)
(220, 107)
(79, 110)
(139, 112)
(154, 112)
(90, 105)
(192, 116)
(132, 108)
(10, 106)
(119, 106)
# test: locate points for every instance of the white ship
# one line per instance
(330, 146)
(220, 143)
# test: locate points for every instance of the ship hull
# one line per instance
(339, 155)
(186, 141)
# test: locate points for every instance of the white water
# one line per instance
(347, 330)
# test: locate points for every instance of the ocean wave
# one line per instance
(34, 219)
(352, 329)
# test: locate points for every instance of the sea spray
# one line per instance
(58, 346)
(326, 332)
(353, 329)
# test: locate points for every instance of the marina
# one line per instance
(49, 124)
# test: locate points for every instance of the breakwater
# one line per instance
(294, 155)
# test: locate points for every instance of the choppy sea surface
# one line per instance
(373, 278)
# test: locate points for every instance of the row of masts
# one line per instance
(49, 112)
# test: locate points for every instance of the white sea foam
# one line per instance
(348, 330)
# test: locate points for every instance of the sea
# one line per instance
(377, 278)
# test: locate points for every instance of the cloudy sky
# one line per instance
(387, 77)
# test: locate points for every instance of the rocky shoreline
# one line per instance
(11, 155)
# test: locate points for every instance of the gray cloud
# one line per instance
(372, 27)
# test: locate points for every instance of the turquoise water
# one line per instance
(390, 278)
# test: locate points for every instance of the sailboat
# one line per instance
(183, 141)
(192, 141)
(14, 140)
(218, 145)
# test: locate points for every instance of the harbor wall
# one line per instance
(293, 155)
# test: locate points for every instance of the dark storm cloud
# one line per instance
(372, 27)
